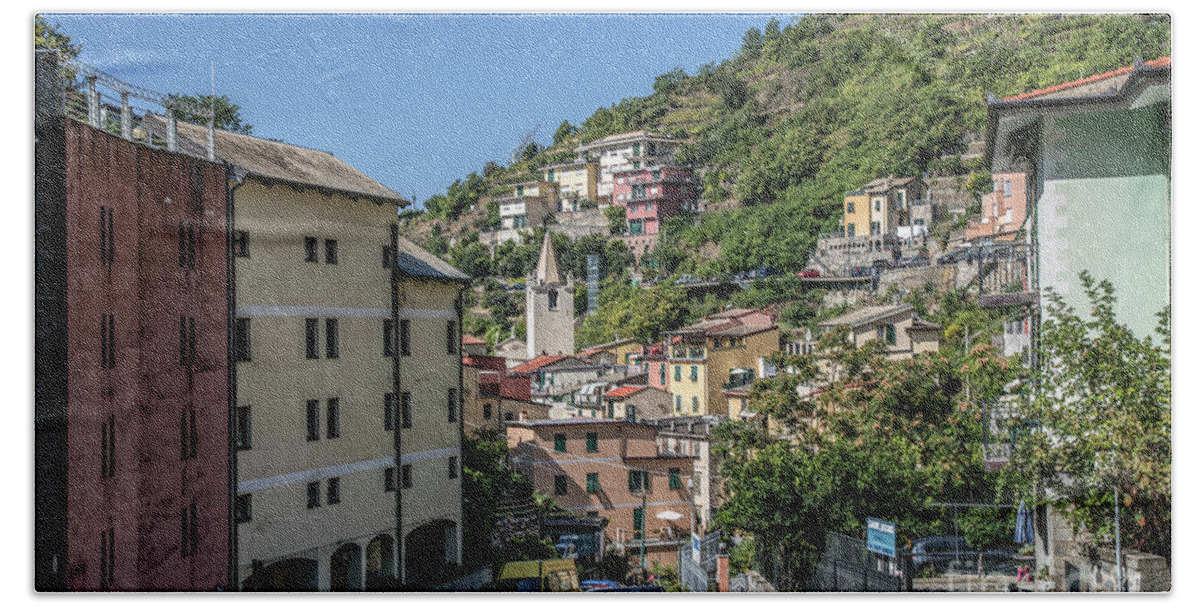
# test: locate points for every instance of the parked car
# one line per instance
(883, 264)
(861, 271)
(809, 273)
(946, 553)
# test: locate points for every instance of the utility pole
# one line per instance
(645, 478)
(1117, 536)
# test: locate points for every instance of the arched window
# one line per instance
(553, 299)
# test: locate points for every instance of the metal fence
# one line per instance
(846, 565)
(698, 574)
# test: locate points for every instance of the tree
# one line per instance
(1102, 411)
(771, 31)
(669, 82)
(227, 115)
(563, 131)
(752, 43)
(616, 219)
(46, 36)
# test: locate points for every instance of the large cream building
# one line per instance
(347, 379)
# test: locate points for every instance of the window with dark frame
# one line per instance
(241, 244)
(331, 251)
(333, 419)
(593, 442)
(389, 412)
(310, 249)
(241, 339)
(674, 480)
(406, 480)
(311, 339)
(314, 494)
(241, 434)
(243, 508)
(108, 556)
(108, 441)
(313, 414)
(389, 338)
(560, 485)
(333, 491)
(107, 248)
(406, 410)
(487, 411)
(560, 442)
(187, 245)
(189, 530)
(452, 467)
(593, 483)
(331, 338)
(389, 479)
(405, 338)
(452, 340)
(452, 405)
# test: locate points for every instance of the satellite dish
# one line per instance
(669, 515)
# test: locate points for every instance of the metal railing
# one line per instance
(105, 102)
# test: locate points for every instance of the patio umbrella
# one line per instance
(1024, 532)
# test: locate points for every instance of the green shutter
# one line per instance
(678, 373)
(891, 335)
(593, 442)
(634, 484)
(593, 483)
(675, 482)
(639, 522)
(560, 442)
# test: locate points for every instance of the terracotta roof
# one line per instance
(469, 339)
(622, 392)
(281, 162)
(1162, 62)
(537, 363)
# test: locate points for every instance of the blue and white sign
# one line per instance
(881, 537)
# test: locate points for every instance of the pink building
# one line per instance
(1003, 209)
(650, 196)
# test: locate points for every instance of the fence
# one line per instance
(697, 575)
(846, 565)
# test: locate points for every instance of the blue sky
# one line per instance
(413, 100)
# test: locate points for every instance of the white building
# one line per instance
(633, 150)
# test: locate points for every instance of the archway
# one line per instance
(427, 550)
(297, 574)
(345, 568)
(381, 562)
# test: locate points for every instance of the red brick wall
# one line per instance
(147, 388)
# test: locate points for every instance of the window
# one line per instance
(108, 446)
(389, 412)
(560, 442)
(406, 410)
(849, 207)
(331, 256)
(314, 419)
(389, 338)
(405, 346)
(189, 530)
(187, 434)
(107, 243)
(389, 479)
(674, 482)
(187, 245)
(560, 485)
(241, 244)
(243, 508)
(451, 338)
(333, 491)
(1007, 187)
(639, 522)
(452, 405)
(850, 229)
(487, 411)
(678, 373)
(678, 403)
(662, 374)
(593, 483)
(241, 339)
(406, 476)
(508, 416)
(593, 442)
(187, 340)
(311, 346)
(635, 481)
(593, 514)
(108, 556)
(241, 431)
(875, 228)
(877, 204)
(631, 413)
(333, 419)
(695, 373)
(452, 467)
(890, 334)
(695, 404)
(331, 338)
(553, 299)
(108, 340)
(310, 249)
(314, 494)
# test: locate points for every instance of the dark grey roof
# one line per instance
(1007, 300)
(416, 262)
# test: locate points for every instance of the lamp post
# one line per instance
(645, 478)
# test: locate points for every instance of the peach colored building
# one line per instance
(1002, 211)
(599, 468)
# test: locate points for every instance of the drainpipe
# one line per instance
(238, 176)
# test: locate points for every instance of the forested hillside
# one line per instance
(815, 107)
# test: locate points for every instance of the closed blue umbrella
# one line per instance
(1024, 532)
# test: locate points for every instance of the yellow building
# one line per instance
(576, 182)
(856, 214)
(625, 351)
(721, 351)
(317, 293)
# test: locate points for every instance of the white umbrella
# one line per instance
(669, 515)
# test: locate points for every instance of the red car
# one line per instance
(809, 273)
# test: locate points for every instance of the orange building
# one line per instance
(598, 468)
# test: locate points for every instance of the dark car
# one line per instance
(861, 271)
(943, 553)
